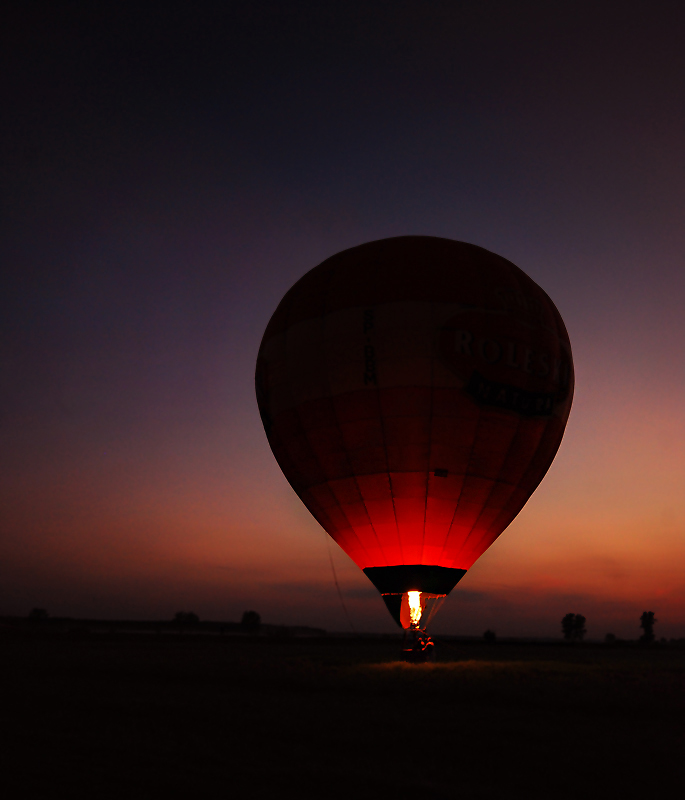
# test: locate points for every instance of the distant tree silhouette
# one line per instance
(186, 619)
(610, 638)
(490, 636)
(38, 615)
(250, 622)
(573, 627)
(567, 625)
(647, 621)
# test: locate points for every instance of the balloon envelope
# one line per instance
(414, 392)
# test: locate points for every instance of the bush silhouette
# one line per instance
(186, 619)
(250, 622)
(490, 636)
(38, 615)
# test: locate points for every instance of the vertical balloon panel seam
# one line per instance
(296, 407)
(512, 269)
(377, 392)
(533, 456)
(562, 337)
(497, 481)
(523, 473)
(322, 320)
(461, 491)
(324, 307)
(515, 273)
(430, 442)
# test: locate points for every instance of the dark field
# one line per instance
(210, 717)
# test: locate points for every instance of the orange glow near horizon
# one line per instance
(603, 535)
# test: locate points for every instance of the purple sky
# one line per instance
(168, 173)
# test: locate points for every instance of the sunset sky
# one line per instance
(168, 173)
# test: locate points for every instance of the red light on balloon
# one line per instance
(414, 392)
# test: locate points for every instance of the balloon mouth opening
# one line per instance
(424, 578)
(413, 610)
(413, 593)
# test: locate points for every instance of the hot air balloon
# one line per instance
(414, 392)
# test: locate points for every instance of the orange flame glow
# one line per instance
(415, 609)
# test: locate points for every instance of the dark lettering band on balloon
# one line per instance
(510, 353)
(501, 395)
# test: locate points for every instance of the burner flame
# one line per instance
(415, 610)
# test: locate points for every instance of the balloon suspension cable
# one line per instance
(337, 586)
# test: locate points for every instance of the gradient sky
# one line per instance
(168, 173)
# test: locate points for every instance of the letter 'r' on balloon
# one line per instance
(414, 392)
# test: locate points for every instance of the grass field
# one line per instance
(211, 717)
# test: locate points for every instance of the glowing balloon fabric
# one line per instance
(414, 392)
